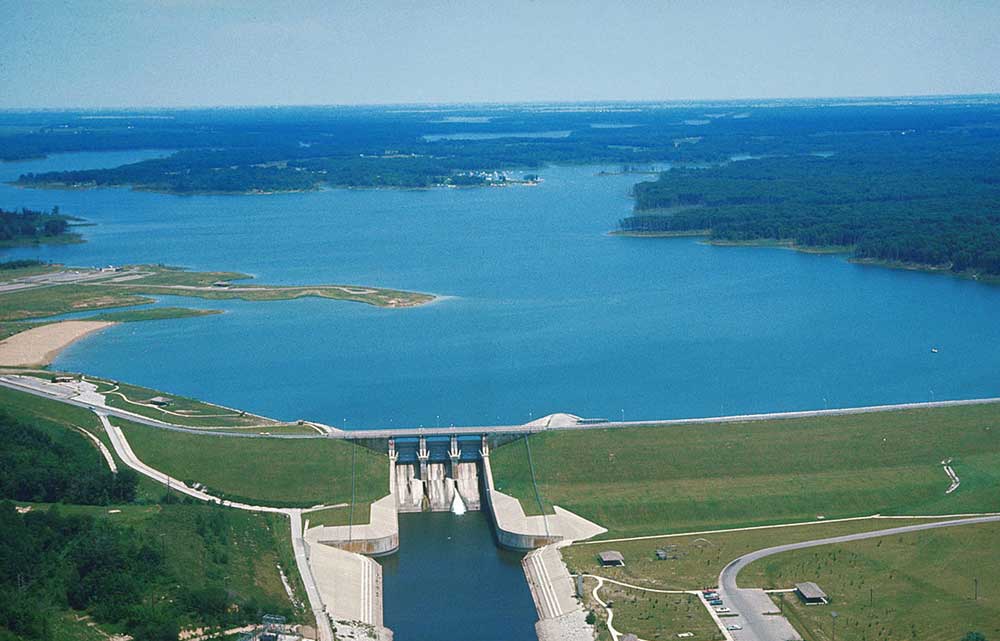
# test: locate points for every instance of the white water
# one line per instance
(458, 505)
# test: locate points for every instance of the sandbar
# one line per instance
(40, 345)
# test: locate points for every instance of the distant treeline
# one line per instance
(27, 225)
(20, 264)
(270, 150)
(932, 200)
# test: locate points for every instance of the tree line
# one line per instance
(29, 224)
(933, 203)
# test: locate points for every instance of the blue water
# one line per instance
(448, 582)
(549, 312)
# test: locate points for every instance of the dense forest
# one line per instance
(29, 226)
(48, 465)
(56, 560)
(931, 200)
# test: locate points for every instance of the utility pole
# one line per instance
(976, 581)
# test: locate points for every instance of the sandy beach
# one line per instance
(39, 345)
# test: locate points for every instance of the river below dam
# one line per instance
(449, 580)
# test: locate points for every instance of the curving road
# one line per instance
(128, 457)
(38, 388)
(751, 604)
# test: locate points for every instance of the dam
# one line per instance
(436, 474)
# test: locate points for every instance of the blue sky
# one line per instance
(100, 53)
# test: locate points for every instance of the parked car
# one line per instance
(734, 626)
(721, 610)
(715, 602)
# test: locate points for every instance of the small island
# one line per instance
(25, 227)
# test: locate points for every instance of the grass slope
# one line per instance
(204, 545)
(680, 478)
(266, 471)
(913, 586)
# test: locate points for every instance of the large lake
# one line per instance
(546, 311)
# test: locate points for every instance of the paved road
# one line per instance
(478, 430)
(746, 602)
(11, 382)
(128, 457)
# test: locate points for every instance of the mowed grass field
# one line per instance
(292, 473)
(650, 616)
(696, 560)
(649, 480)
(918, 586)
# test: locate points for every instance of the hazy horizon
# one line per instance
(436, 106)
(187, 54)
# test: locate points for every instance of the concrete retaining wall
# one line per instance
(378, 537)
(517, 531)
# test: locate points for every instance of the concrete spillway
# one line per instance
(440, 489)
(466, 479)
(436, 492)
(409, 489)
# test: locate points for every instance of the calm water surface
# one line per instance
(547, 312)
(448, 581)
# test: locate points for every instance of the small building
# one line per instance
(221, 283)
(63, 379)
(160, 401)
(611, 558)
(811, 594)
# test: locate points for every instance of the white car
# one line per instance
(722, 610)
(734, 626)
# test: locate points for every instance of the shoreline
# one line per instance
(766, 243)
(39, 346)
